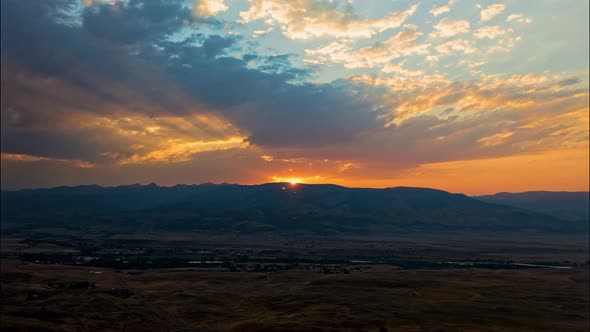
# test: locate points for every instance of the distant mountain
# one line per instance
(560, 204)
(269, 207)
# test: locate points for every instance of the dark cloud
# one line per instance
(569, 81)
(119, 58)
(85, 145)
(136, 21)
(263, 101)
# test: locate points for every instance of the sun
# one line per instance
(291, 181)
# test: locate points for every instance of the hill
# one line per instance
(562, 204)
(325, 209)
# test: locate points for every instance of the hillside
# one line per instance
(325, 209)
(563, 205)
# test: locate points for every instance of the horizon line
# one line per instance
(152, 184)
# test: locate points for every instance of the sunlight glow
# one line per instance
(292, 181)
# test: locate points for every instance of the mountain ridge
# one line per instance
(569, 205)
(273, 207)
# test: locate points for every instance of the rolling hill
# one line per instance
(560, 204)
(326, 209)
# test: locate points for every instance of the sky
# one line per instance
(466, 96)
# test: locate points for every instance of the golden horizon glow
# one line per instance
(499, 174)
(315, 179)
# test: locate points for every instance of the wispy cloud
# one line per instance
(520, 18)
(16, 157)
(446, 28)
(401, 45)
(491, 11)
(439, 10)
(491, 32)
(304, 19)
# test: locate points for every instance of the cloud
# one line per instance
(135, 21)
(400, 45)
(97, 2)
(257, 33)
(448, 28)
(490, 32)
(305, 19)
(434, 120)
(491, 117)
(68, 93)
(505, 44)
(173, 98)
(209, 8)
(439, 10)
(28, 158)
(520, 18)
(457, 45)
(398, 69)
(177, 150)
(491, 11)
(496, 139)
(71, 93)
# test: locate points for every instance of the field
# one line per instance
(192, 282)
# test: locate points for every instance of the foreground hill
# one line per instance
(325, 209)
(561, 204)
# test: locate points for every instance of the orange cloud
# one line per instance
(177, 150)
(304, 19)
(208, 8)
(15, 157)
(401, 45)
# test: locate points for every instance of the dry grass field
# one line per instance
(371, 298)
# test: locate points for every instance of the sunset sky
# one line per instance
(466, 96)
